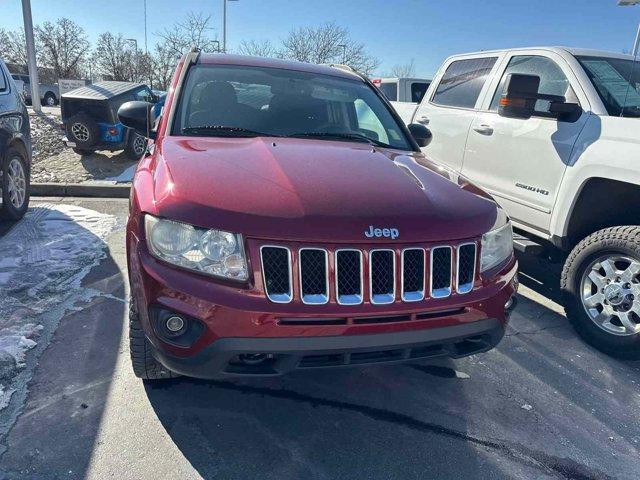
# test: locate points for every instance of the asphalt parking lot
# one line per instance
(541, 405)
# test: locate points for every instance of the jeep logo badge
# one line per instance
(391, 233)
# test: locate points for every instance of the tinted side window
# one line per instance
(418, 89)
(462, 82)
(3, 82)
(390, 90)
(552, 80)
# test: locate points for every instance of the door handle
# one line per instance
(483, 129)
(423, 120)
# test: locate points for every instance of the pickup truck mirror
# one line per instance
(421, 134)
(138, 116)
(520, 96)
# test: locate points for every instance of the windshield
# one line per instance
(617, 81)
(222, 100)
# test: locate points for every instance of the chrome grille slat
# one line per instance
(314, 274)
(382, 276)
(441, 271)
(413, 274)
(465, 267)
(276, 273)
(348, 276)
(313, 269)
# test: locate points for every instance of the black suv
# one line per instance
(15, 149)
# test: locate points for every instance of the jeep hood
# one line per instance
(315, 191)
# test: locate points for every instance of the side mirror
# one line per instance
(421, 134)
(520, 96)
(138, 116)
(568, 112)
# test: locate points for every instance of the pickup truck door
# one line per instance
(449, 106)
(522, 162)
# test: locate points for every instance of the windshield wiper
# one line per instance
(347, 136)
(225, 131)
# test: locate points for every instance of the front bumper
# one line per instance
(240, 322)
(282, 355)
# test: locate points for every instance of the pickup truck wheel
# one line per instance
(15, 185)
(83, 131)
(50, 99)
(601, 287)
(145, 366)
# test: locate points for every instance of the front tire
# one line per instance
(16, 188)
(145, 366)
(601, 287)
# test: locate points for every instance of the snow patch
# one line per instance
(43, 260)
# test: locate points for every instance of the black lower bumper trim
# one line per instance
(284, 354)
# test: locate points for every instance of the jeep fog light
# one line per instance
(497, 246)
(212, 252)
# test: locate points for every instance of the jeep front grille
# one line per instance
(314, 276)
(276, 271)
(349, 277)
(324, 276)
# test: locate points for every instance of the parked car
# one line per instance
(49, 94)
(554, 134)
(403, 93)
(90, 118)
(269, 231)
(15, 149)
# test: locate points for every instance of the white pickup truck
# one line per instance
(554, 135)
(404, 93)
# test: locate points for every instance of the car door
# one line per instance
(522, 162)
(451, 106)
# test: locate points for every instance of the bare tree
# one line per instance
(163, 66)
(63, 46)
(194, 31)
(113, 57)
(13, 46)
(405, 70)
(328, 43)
(257, 48)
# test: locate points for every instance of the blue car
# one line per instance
(90, 117)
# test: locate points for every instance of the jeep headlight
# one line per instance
(497, 246)
(212, 252)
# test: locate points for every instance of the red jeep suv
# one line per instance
(285, 218)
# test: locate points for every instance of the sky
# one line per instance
(394, 31)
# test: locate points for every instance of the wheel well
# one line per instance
(603, 203)
(19, 145)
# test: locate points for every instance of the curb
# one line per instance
(79, 190)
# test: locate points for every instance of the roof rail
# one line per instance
(340, 66)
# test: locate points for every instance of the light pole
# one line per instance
(344, 53)
(224, 24)
(636, 43)
(31, 56)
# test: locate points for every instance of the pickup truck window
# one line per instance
(222, 100)
(617, 81)
(418, 89)
(390, 90)
(462, 82)
(552, 79)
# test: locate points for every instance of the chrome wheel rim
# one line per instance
(17, 183)
(51, 101)
(80, 132)
(610, 294)
(139, 145)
